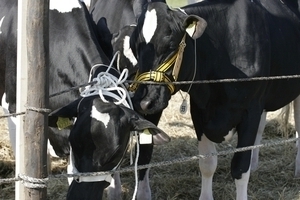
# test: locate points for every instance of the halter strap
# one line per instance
(160, 75)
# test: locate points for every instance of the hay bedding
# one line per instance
(273, 179)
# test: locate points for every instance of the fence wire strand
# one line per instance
(31, 182)
(175, 83)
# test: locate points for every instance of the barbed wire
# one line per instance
(31, 182)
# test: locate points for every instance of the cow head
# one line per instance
(156, 41)
(99, 139)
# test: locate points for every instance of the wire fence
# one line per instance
(32, 182)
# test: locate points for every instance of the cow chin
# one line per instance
(151, 99)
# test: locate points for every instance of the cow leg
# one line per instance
(240, 170)
(255, 152)
(146, 150)
(297, 127)
(144, 190)
(114, 190)
(242, 186)
(240, 164)
(207, 167)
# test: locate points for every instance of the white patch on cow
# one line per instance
(71, 169)
(229, 135)
(150, 25)
(87, 3)
(51, 150)
(64, 6)
(11, 122)
(102, 117)
(1, 21)
(128, 52)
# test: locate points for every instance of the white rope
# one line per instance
(106, 84)
(136, 165)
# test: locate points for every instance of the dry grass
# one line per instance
(273, 179)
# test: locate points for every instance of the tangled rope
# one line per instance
(105, 84)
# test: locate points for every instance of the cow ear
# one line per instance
(61, 118)
(105, 37)
(143, 126)
(194, 26)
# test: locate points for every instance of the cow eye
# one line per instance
(167, 37)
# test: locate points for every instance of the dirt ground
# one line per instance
(182, 181)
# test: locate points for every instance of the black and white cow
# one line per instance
(121, 17)
(100, 135)
(220, 39)
(74, 49)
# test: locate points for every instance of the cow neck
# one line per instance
(159, 75)
(109, 85)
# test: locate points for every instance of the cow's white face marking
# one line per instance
(1, 21)
(150, 25)
(102, 117)
(128, 52)
(64, 6)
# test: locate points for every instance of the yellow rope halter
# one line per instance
(159, 75)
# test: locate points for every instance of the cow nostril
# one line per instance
(145, 105)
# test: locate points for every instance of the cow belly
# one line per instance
(281, 93)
